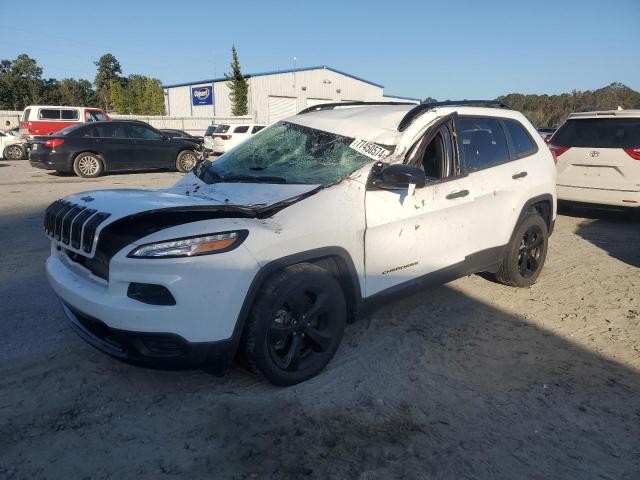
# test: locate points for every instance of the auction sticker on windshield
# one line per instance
(371, 150)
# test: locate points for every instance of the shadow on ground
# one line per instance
(613, 231)
(438, 385)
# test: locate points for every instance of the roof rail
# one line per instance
(423, 107)
(331, 106)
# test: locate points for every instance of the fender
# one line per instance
(343, 268)
(548, 216)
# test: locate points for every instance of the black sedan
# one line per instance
(91, 149)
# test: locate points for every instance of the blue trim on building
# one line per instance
(402, 98)
(275, 72)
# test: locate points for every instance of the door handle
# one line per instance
(518, 175)
(458, 194)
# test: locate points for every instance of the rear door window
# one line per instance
(257, 128)
(49, 114)
(112, 130)
(144, 132)
(599, 133)
(222, 129)
(241, 129)
(69, 114)
(483, 143)
(523, 144)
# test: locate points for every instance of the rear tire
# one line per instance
(526, 253)
(295, 325)
(13, 152)
(88, 165)
(186, 161)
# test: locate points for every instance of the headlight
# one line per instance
(191, 246)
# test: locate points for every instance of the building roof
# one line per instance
(275, 72)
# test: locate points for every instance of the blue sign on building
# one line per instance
(202, 95)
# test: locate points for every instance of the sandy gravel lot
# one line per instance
(468, 380)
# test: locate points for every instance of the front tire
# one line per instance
(13, 152)
(295, 325)
(526, 253)
(186, 160)
(88, 165)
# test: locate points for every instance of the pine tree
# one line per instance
(238, 86)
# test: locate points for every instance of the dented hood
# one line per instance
(189, 192)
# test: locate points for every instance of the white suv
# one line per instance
(225, 137)
(318, 218)
(598, 155)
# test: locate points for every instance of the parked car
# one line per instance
(226, 137)
(173, 133)
(48, 119)
(546, 132)
(90, 150)
(324, 215)
(208, 137)
(12, 147)
(598, 155)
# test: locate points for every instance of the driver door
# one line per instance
(413, 233)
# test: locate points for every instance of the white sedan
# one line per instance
(12, 147)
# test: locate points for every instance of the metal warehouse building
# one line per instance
(273, 95)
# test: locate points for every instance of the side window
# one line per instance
(522, 142)
(437, 157)
(140, 131)
(256, 129)
(49, 114)
(88, 132)
(241, 129)
(69, 114)
(25, 115)
(114, 130)
(483, 143)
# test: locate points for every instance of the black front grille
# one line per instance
(97, 265)
(72, 224)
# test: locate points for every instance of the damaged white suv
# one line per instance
(268, 251)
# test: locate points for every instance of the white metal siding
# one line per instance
(281, 107)
(306, 88)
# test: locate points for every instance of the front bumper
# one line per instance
(209, 292)
(152, 349)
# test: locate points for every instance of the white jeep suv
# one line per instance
(269, 250)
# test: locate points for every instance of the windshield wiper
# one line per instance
(254, 179)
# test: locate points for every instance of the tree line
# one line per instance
(552, 110)
(22, 84)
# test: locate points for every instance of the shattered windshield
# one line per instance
(287, 153)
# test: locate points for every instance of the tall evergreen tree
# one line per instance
(238, 86)
(108, 69)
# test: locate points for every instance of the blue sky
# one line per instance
(443, 49)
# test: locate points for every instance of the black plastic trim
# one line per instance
(423, 107)
(331, 106)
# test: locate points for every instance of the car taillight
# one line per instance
(53, 142)
(556, 151)
(633, 153)
(224, 137)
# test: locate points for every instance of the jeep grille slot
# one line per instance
(90, 230)
(57, 229)
(76, 227)
(66, 222)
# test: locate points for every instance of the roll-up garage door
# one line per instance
(312, 102)
(281, 107)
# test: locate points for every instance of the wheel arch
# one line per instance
(542, 204)
(336, 260)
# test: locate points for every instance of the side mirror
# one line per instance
(397, 176)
